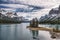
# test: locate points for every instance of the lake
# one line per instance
(20, 32)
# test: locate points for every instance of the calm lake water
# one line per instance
(20, 32)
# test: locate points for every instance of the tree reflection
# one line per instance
(55, 33)
(34, 34)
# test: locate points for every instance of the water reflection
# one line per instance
(9, 32)
(57, 27)
(0, 32)
(20, 32)
(34, 34)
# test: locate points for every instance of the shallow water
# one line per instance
(20, 32)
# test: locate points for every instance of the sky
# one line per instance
(47, 4)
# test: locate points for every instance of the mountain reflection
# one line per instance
(20, 32)
(8, 32)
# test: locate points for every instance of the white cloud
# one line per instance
(48, 4)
